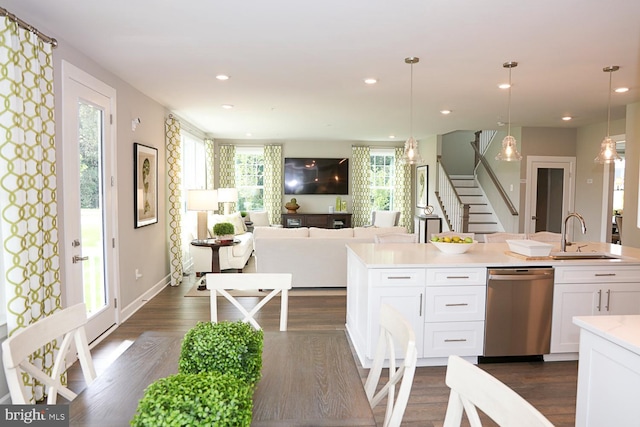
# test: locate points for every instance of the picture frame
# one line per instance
(145, 185)
(422, 186)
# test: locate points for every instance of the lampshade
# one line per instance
(608, 152)
(411, 153)
(227, 195)
(202, 201)
(509, 151)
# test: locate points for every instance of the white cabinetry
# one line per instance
(454, 312)
(586, 291)
(445, 306)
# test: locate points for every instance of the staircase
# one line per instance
(482, 220)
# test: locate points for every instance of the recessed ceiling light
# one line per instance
(504, 85)
(222, 77)
(622, 89)
(371, 81)
(445, 112)
(567, 118)
(248, 134)
(392, 136)
(227, 106)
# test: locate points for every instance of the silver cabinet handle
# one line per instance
(399, 277)
(607, 307)
(77, 258)
(599, 299)
(459, 304)
(455, 340)
(420, 304)
(457, 277)
(604, 274)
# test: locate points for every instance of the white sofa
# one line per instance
(316, 257)
(231, 257)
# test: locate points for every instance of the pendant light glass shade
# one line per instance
(608, 152)
(509, 151)
(411, 154)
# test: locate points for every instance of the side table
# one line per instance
(215, 252)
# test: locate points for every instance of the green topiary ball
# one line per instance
(194, 400)
(228, 347)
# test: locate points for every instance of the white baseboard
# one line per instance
(130, 309)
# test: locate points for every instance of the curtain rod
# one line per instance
(26, 26)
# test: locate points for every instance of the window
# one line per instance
(249, 167)
(194, 166)
(382, 178)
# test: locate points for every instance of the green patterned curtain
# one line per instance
(29, 258)
(361, 186)
(273, 182)
(174, 196)
(402, 193)
(209, 161)
(227, 171)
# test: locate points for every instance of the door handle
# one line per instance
(534, 218)
(77, 258)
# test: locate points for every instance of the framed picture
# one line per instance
(422, 186)
(145, 185)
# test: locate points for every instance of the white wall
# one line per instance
(630, 226)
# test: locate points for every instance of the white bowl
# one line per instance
(454, 248)
(530, 247)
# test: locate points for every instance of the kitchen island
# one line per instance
(608, 371)
(443, 296)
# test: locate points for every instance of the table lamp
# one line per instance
(202, 201)
(227, 196)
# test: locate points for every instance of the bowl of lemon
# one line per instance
(452, 243)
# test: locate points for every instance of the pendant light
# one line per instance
(608, 152)
(509, 152)
(411, 154)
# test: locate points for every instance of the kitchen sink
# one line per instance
(582, 255)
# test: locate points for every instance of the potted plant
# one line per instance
(292, 206)
(204, 399)
(223, 231)
(233, 348)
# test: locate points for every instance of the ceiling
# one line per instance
(297, 67)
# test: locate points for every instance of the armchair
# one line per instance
(385, 218)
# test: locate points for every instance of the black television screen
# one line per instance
(316, 176)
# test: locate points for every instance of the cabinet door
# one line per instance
(621, 299)
(568, 301)
(407, 300)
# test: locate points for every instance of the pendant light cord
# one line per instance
(411, 104)
(509, 109)
(609, 107)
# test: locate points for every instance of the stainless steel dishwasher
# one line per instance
(518, 311)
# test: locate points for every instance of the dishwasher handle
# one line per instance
(521, 275)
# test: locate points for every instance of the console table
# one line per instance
(328, 220)
(426, 225)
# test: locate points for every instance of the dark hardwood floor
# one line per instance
(550, 387)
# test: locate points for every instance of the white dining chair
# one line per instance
(545, 236)
(278, 283)
(472, 388)
(67, 324)
(503, 237)
(395, 331)
(395, 238)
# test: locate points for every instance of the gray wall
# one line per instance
(457, 154)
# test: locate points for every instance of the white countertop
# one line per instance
(406, 255)
(621, 330)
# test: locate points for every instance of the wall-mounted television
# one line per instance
(316, 176)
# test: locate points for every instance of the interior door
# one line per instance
(89, 198)
(550, 192)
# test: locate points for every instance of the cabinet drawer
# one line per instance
(599, 274)
(454, 304)
(403, 276)
(456, 276)
(459, 338)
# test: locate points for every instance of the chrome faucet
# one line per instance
(563, 242)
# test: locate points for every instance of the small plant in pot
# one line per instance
(223, 232)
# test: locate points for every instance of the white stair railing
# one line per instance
(456, 212)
